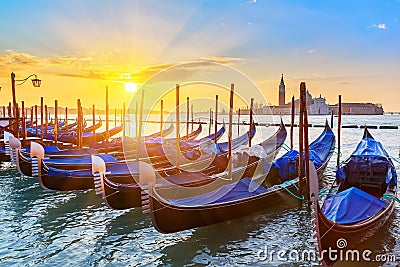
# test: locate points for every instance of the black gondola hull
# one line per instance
(191, 217)
(353, 234)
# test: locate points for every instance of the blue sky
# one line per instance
(346, 47)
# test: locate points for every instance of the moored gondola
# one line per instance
(359, 202)
(170, 212)
(73, 173)
(67, 179)
(116, 144)
(119, 195)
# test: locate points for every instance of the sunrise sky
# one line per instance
(78, 47)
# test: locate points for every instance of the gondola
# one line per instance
(66, 179)
(119, 195)
(361, 200)
(129, 144)
(174, 209)
(68, 126)
(74, 159)
(93, 127)
(31, 130)
(56, 174)
(116, 144)
(5, 150)
(72, 137)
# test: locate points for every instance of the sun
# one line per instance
(130, 87)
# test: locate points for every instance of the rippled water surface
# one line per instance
(46, 228)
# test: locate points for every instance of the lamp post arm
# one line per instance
(24, 80)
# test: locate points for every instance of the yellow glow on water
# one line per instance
(130, 87)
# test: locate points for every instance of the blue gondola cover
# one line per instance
(81, 160)
(352, 205)
(240, 190)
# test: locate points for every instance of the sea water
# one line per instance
(46, 228)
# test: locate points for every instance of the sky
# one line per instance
(77, 48)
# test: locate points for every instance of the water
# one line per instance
(39, 227)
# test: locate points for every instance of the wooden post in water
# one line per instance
(339, 127)
(79, 122)
(94, 122)
(187, 117)
(216, 119)
(121, 115)
(23, 121)
(107, 126)
(301, 139)
(123, 121)
(292, 123)
(161, 118)
(332, 118)
(238, 123)
(46, 120)
(56, 119)
(251, 121)
(4, 111)
(177, 121)
(192, 115)
(9, 110)
(139, 136)
(36, 122)
(136, 120)
(93, 115)
(115, 117)
(230, 131)
(306, 148)
(16, 109)
(31, 124)
(210, 123)
(66, 118)
(41, 118)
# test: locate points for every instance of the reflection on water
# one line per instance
(41, 227)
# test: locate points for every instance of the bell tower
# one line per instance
(282, 92)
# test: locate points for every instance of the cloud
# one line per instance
(312, 51)
(381, 26)
(184, 69)
(343, 83)
(97, 67)
(17, 60)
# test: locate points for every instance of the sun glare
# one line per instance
(130, 87)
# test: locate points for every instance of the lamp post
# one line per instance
(35, 82)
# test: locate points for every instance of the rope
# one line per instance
(334, 150)
(393, 158)
(389, 196)
(286, 147)
(283, 186)
(326, 192)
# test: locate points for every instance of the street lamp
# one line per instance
(35, 82)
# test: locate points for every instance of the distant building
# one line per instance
(282, 91)
(358, 109)
(319, 107)
(315, 106)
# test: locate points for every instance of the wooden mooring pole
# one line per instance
(339, 128)
(107, 120)
(216, 119)
(230, 131)
(56, 119)
(177, 125)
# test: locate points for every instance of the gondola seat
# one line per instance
(367, 174)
